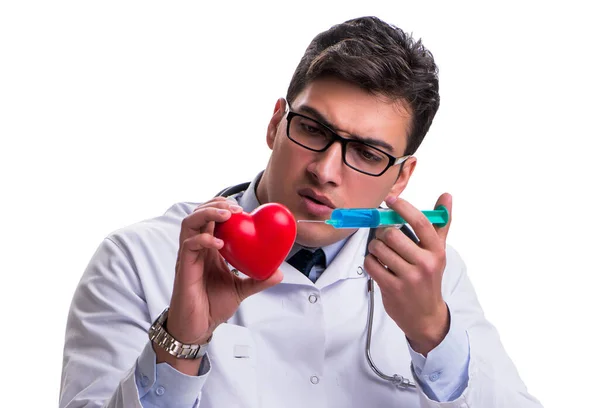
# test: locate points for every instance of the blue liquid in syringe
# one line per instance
(379, 217)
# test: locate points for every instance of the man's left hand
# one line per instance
(409, 275)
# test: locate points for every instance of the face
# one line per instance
(311, 184)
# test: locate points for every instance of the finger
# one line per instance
(388, 257)
(379, 273)
(191, 259)
(191, 247)
(401, 244)
(220, 202)
(428, 237)
(445, 200)
(198, 221)
(249, 287)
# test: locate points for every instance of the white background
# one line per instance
(112, 111)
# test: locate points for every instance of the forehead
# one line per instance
(350, 110)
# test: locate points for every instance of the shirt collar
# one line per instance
(330, 250)
(249, 202)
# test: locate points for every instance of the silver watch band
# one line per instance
(159, 335)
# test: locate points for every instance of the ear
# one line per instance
(278, 113)
(402, 181)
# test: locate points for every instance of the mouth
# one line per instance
(316, 204)
(315, 197)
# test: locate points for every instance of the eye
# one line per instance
(368, 154)
(308, 128)
(311, 128)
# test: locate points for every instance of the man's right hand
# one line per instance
(205, 292)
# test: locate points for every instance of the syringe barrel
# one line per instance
(354, 218)
(390, 217)
(376, 217)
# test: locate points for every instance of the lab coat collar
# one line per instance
(330, 251)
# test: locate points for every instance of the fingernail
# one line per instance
(222, 212)
(391, 199)
(218, 241)
(235, 208)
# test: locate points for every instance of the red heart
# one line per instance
(256, 244)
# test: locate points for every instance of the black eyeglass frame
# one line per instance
(344, 141)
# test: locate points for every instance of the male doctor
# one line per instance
(160, 320)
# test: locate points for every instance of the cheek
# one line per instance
(289, 157)
(281, 148)
(368, 193)
(287, 167)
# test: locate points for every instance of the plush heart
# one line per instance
(256, 244)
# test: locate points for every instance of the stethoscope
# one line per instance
(397, 380)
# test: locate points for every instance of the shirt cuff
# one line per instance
(159, 383)
(444, 373)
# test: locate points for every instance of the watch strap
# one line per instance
(161, 337)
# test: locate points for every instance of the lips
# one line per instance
(318, 198)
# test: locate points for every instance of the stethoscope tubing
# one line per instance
(398, 380)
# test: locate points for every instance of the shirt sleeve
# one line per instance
(444, 373)
(160, 384)
(108, 360)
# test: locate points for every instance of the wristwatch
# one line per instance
(161, 337)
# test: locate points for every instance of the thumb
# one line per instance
(445, 200)
(250, 286)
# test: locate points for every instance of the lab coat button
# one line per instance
(160, 391)
(314, 379)
(313, 298)
(435, 376)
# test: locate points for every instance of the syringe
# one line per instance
(378, 217)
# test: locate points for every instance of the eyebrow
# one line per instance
(365, 139)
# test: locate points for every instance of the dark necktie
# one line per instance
(304, 260)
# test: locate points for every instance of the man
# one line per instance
(357, 108)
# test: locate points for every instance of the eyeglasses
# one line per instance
(357, 155)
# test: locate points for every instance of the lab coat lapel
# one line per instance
(293, 276)
(349, 261)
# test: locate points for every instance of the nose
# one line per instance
(328, 165)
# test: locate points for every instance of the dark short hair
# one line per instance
(381, 59)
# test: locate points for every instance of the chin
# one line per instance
(316, 236)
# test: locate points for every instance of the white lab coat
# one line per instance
(282, 348)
